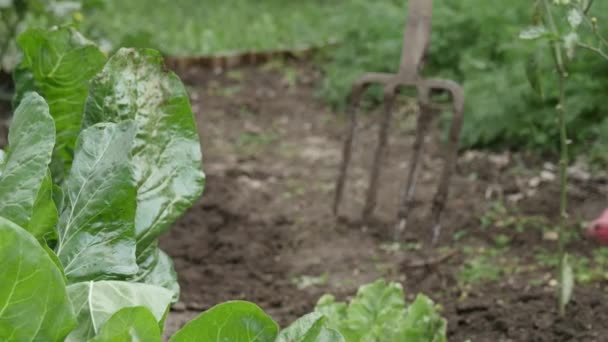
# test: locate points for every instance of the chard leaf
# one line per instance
(310, 328)
(44, 215)
(157, 269)
(22, 181)
(235, 321)
(34, 304)
(130, 324)
(58, 63)
(166, 152)
(96, 239)
(95, 302)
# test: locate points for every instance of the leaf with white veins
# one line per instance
(31, 140)
(130, 324)
(34, 305)
(166, 152)
(59, 63)
(157, 268)
(96, 235)
(95, 302)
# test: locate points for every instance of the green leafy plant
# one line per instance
(563, 44)
(379, 313)
(17, 15)
(480, 268)
(126, 164)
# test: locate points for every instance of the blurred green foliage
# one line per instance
(17, 15)
(474, 42)
(203, 27)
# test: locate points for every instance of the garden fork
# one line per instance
(415, 46)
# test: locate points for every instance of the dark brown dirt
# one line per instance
(271, 155)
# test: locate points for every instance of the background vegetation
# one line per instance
(474, 41)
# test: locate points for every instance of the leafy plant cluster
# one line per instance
(562, 43)
(17, 15)
(190, 27)
(377, 314)
(103, 157)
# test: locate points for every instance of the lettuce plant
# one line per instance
(378, 313)
(103, 157)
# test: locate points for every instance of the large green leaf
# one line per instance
(310, 328)
(34, 305)
(166, 152)
(95, 302)
(235, 321)
(31, 140)
(44, 218)
(132, 324)
(96, 235)
(157, 268)
(59, 63)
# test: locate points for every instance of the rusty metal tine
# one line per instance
(415, 47)
(422, 126)
(372, 190)
(357, 91)
(450, 151)
(353, 110)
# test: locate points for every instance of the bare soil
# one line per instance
(271, 153)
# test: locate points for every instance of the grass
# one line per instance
(194, 27)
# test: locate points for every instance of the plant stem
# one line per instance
(586, 9)
(563, 161)
(557, 52)
(563, 177)
(594, 49)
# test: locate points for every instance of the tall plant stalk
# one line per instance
(558, 57)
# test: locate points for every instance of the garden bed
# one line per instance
(264, 232)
